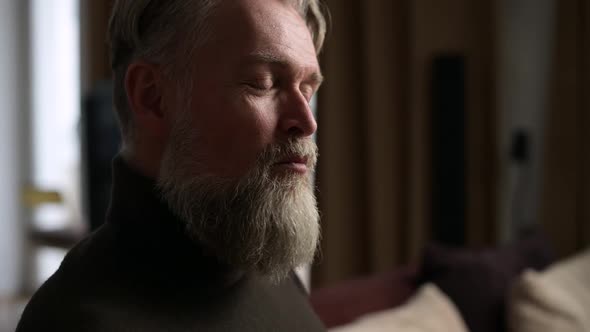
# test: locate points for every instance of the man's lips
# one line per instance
(294, 160)
(296, 163)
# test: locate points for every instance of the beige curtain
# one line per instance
(565, 208)
(374, 130)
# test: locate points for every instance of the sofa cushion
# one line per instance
(555, 300)
(478, 281)
(345, 301)
(429, 310)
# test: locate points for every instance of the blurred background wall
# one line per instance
(459, 122)
(377, 130)
(565, 188)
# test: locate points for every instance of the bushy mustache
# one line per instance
(293, 148)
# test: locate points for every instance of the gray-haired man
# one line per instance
(212, 203)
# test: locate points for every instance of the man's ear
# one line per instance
(145, 92)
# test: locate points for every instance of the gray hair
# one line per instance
(159, 30)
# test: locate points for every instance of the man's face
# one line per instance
(252, 85)
(237, 167)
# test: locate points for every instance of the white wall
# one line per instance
(13, 108)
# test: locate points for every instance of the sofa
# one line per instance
(516, 287)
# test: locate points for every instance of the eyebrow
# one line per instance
(277, 60)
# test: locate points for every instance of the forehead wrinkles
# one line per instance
(254, 16)
(280, 20)
(262, 27)
(284, 32)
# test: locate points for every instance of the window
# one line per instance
(55, 49)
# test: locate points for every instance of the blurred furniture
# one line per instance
(101, 140)
(477, 281)
(61, 238)
(429, 310)
(554, 300)
(343, 302)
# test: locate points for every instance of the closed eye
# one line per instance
(308, 91)
(262, 84)
(257, 86)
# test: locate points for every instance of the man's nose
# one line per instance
(297, 119)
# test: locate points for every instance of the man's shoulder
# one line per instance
(88, 262)
(54, 308)
(109, 281)
(60, 303)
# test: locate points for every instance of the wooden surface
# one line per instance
(63, 238)
(566, 186)
(94, 16)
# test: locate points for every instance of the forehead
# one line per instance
(273, 28)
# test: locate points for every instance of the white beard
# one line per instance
(260, 222)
